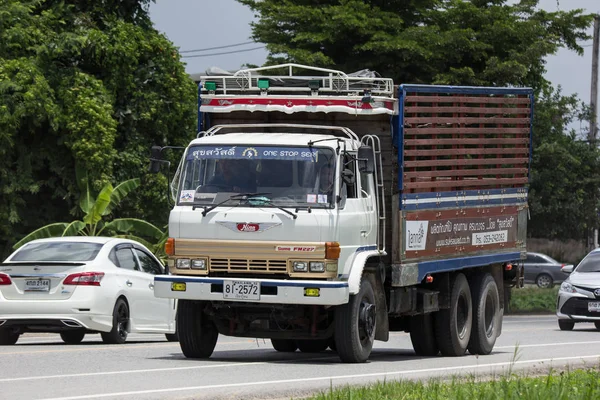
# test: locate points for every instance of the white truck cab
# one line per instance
(279, 205)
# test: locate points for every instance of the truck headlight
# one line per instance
(199, 263)
(183, 263)
(317, 266)
(300, 266)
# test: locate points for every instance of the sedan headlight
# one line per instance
(317, 266)
(183, 263)
(199, 263)
(300, 266)
(567, 288)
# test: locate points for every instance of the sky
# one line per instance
(204, 24)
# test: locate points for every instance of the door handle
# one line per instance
(128, 282)
(151, 286)
(363, 233)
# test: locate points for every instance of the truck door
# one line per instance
(367, 196)
(354, 228)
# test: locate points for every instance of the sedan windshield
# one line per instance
(283, 176)
(57, 251)
(590, 264)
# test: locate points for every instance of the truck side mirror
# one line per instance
(366, 159)
(155, 159)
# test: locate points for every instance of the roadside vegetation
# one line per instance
(533, 300)
(577, 384)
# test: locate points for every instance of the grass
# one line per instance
(577, 384)
(533, 300)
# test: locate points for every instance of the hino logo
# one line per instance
(252, 227)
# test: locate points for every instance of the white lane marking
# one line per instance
(326, 378)
(545, 344)
(137, 371)
(535, 321)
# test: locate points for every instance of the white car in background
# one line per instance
(579, 295)
(83, 284)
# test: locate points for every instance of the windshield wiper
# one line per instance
(268, 202)
(239, 196)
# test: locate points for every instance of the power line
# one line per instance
(216, 48)
(225, 52)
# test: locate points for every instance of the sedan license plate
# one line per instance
(594, 306)
(37, 285)
(241, 290)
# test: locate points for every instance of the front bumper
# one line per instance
(574, 307)
(272, 291)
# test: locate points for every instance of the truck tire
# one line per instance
(312, 346)
(355, 325)
(284, 345)
(422, 335)
(486, 314)
(197, 334)
(453, 325)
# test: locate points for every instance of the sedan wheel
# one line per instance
(8, 337)
(544, 281)
(566, 325)
(72, 337)
(119, 331)
(597, 323)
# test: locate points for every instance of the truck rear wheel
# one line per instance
(422, 335)
(284, 345)
(453, 325)
(197, 334)
(486, 314)
(312, 346)
(355, 325)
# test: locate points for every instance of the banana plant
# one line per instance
(95, 210)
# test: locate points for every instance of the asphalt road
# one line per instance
(148, 367)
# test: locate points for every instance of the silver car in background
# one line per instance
(579, 295)
(543, 270)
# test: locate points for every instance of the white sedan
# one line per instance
(82, 284)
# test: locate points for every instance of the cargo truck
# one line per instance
(323, 209)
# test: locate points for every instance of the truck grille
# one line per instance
(242, 265)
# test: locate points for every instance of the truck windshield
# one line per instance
(285, 176)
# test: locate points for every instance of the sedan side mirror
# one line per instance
(567, 269)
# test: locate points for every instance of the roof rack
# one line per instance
(314, 80)
(332, 130)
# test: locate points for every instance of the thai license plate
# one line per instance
(37, 285)
(594, 306)
(241, 290)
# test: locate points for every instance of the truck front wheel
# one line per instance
(453, 325)
(355, 325)
(284, 345)
(197, 333)
(486, 314)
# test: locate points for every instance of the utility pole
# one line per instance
(594, 107)
(594, 90)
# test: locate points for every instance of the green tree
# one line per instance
(565, 171)
(95, 222)
(86, 83)
(476, 42)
